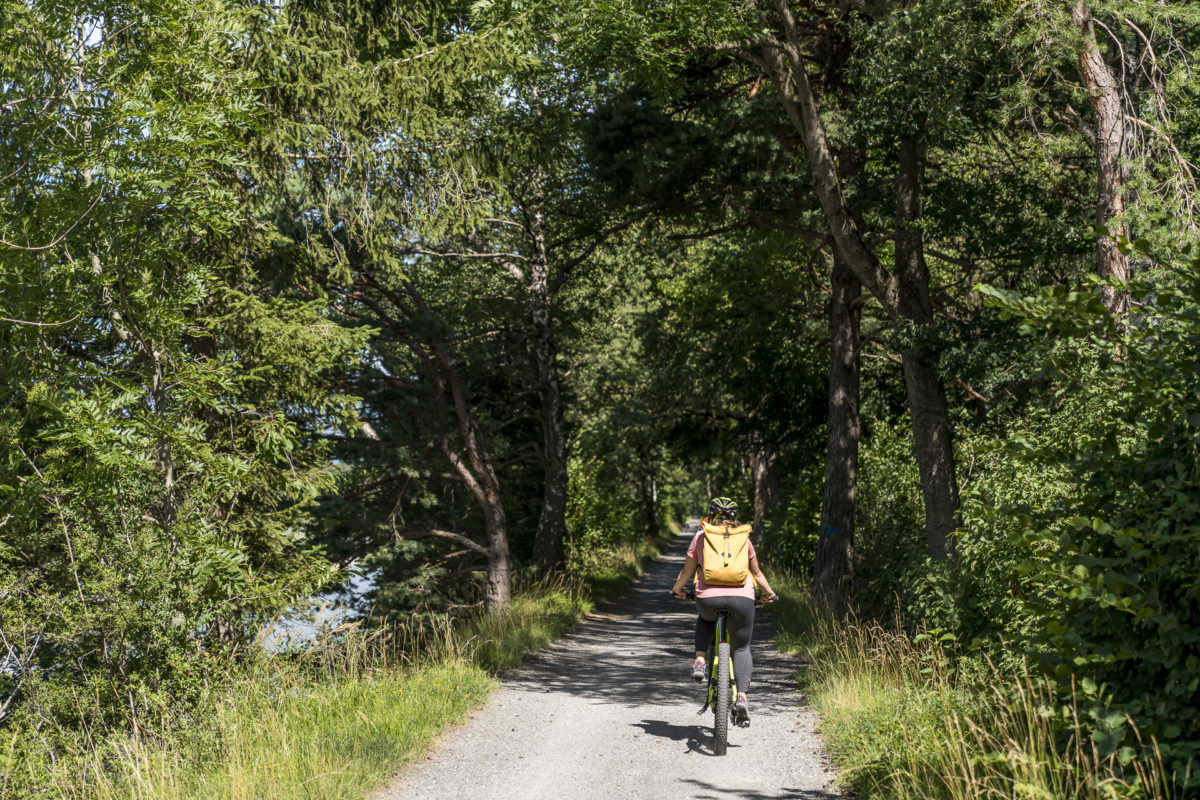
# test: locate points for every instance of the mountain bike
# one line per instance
(722, 682)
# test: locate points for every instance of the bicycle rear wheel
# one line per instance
(721, 708)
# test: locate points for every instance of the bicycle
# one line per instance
(722, 682)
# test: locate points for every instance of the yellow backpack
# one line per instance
(726, 554)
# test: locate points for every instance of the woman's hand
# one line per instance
(685, 575)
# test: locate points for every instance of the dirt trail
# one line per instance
(609, 711)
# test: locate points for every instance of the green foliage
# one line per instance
(1115, 562)
(157, 407)
(902, 720)
(791, 537)
(599, 512)
(230, 231)
(889, 514)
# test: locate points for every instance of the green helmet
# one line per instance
(722, 506)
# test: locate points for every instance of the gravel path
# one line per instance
(609, 711)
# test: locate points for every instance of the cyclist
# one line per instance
(710, 599)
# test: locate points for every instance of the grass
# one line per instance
(295, 739)
(328, 723)
(336, 721)
(901, 723)
(536, 617)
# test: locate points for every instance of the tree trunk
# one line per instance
(552, 524)
(476, 470)
(903, 296)
(926, 395)
(479, 476)
(469, 455)
(1112, 155)
(499, 573)
(481, 479)
(649, 494)
(800, 105)
(835, 545)
(765, 471)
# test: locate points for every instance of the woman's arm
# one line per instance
(685, 575)
(761, 579)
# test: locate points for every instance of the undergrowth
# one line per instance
(903, 720)
(332, 721)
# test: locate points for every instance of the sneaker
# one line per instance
(741, 712)
(698, 673)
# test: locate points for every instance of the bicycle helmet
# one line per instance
(722, 507)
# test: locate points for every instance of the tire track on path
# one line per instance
(609, 711)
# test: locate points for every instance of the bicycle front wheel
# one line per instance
(721, 709)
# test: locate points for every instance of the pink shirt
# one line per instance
(696, 551)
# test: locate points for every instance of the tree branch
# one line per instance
(457, 538)
(40, 324)
(58, 238)
(470, 255)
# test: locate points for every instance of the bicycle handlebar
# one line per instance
(758, 601)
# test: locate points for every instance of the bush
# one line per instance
(1118, 559)
(903, 719)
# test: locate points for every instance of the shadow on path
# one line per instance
(676, 733)
(709, 790)
(637, 649)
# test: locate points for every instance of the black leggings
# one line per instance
(741, 630)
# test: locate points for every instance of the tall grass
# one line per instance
(903, 720)
(325, 723)
(334, 721)
(499, 642)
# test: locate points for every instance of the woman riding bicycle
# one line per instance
(710, 599)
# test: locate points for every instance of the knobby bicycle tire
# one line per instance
(721, 709)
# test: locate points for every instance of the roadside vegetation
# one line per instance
(906, 719)
(334, 719)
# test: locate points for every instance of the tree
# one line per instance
(1114, 80)
(904, 294)
(365, 184)
(540, 230)
(157, 398)
(410, 322)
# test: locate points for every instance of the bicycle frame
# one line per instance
(721, 634)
